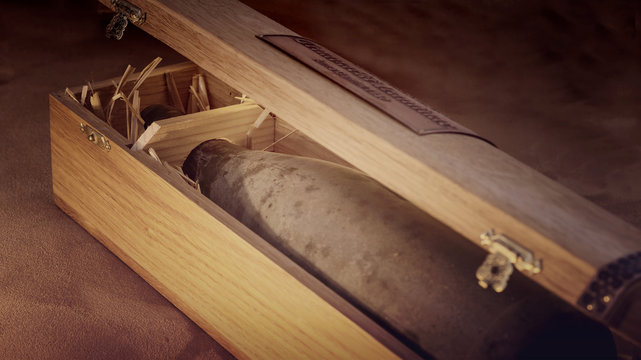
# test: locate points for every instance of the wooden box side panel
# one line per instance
(233, 291)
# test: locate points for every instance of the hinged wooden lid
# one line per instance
(462, 181)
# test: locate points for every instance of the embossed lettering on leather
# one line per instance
(410, 112)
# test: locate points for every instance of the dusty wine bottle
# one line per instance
(396, 263)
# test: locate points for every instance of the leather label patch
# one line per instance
(410, 112)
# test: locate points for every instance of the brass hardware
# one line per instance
(95, 137)
(505, 254)
(125, 12)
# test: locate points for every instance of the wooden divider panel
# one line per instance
(174, 138)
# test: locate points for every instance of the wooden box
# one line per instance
(245, 294)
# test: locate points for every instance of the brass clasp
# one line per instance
(125, 12)
(95, 137)
(505, 254)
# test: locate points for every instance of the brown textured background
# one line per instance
(557, 84)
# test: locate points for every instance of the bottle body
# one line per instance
(389, 258)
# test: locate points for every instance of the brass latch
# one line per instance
(95, 137)
(125, 12)
(505, 254)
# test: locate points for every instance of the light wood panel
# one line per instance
(220, 94)
(174, 138)
(245, 294)
(465, 183)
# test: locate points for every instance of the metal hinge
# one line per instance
(125, 12)
(505, 254)
(95, 137)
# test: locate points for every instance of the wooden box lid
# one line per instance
(462, 181)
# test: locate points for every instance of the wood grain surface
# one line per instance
(174, 138)
(465, 183)
(246, 295)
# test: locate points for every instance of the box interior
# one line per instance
(272, 134)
